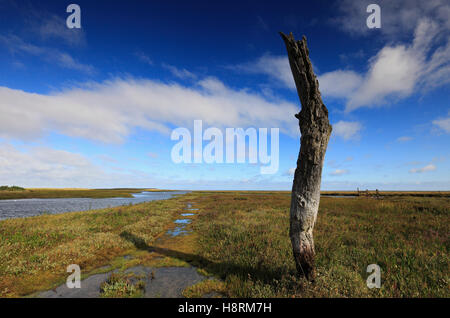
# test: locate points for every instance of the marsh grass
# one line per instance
(208, 286)
(241, 239)
(120, 285)
(423, 194)
(245, 242)
(21, 193)
(36, 251)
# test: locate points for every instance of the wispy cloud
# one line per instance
(67, 61)
(17, 46)
(339, 172)
(180, 73)
(54, 27)
(262, 23)
(430, 167)
(143, 57)
(276, 67)
(443, 123)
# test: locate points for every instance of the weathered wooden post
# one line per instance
(315, 132)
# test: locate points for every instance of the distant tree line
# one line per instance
(11, 188)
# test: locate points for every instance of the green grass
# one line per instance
(243, 239)
(36, 251)
(240, 238)
(208, 286)
(120, 285)
(43, 193)
(444, 194)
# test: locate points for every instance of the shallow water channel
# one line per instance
(31, 207)
(158, 282)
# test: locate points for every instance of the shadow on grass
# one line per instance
(220, 269)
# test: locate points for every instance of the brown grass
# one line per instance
(36, 251)
(241, 238)
(47, 193)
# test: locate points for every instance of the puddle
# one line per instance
(180, 229)
(167, 282)
(182, 221)
(177, 231)
(90, 288)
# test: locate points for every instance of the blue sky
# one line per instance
(95, 107)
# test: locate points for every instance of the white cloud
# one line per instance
(396, 71)
(42, 166)
(443, 123)
(109, 111)
(398, 17)
(429, 167)
(347, 129)
(339, 172)
(180, 73)
(339, 83)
